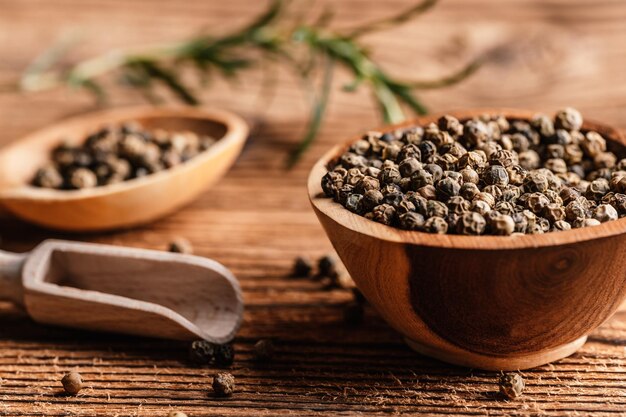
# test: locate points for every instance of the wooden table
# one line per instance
(559, 53)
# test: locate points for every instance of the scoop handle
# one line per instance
(11, 276)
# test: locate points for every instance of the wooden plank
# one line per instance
(258, 219)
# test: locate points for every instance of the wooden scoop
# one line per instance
(126, 290)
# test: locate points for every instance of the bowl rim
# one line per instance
(345, 218)
(236, 131)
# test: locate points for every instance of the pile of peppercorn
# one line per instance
(118, 153)
(487, 175)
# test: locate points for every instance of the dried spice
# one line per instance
(327, 266)
(72, 383)
(486, 175)
(223, 384)
(176, 414)
(224, 354)
(202, 352)
(511, 385)
(264, 350)
(302, 267)
(117, 153)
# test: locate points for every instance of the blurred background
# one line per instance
(550, 54)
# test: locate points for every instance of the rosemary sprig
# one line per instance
(299, 41)
(389, 22)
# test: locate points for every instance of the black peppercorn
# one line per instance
(83, 178)
(264, 350)
(496, 175)
(469, 191)
(475, 132)
(421, 178)
(409, 166)
(561, 225)
(410, 151)
(597, 188)
(428, 192)
(224, 354)
(543, 124)
(436, 225)
(458, 205)
(302, 267)
(389, 175)
(471, 223)
(535, 182)
(352, 160)
(353, 202)
(384, 213)
(371, 199)
(436, 208)
(501, 224)
(327, 266)
(451, 125)
(511, 385)
(568, 119)
(411, 221)
(48, 177)
(331, 182)
(224, 384)
(202, 352)
(393, 199)
(554, 212)
(435, 170)
(604, 213)
(469, 175)
(447, 188)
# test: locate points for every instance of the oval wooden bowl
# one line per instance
(490, 302)
(128, 203)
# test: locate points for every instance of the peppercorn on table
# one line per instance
(258, 220)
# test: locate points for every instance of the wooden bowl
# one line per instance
(128, 203)
(490, 302)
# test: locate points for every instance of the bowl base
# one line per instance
(498, 363)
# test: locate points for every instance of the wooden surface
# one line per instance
(560, 53)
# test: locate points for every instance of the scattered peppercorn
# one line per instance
(264, 350)
(486, 175)
(202, 352)
(72, 383)
(302, 267)
(223, 384)
(117, 153)
(511, 385)
(224, 354)
(327, 266)
(181, 245)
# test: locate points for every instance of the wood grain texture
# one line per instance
(562, 52)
